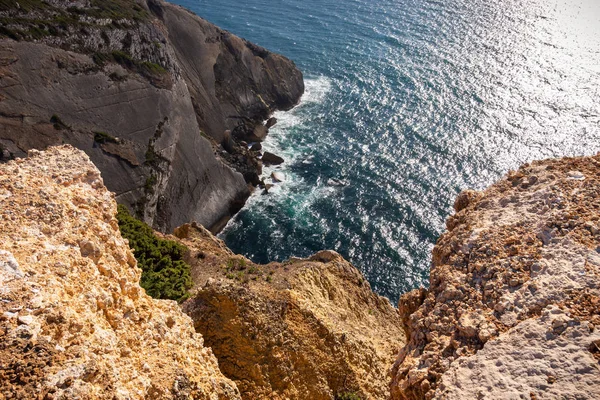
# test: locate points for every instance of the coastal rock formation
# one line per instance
(513, 310)
(147, 90)
(303, 329)
(74, 322)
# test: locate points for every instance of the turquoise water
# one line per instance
(409, 102)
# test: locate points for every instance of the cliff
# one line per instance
(514, 303)
(512, 310)
(147, 90)
(303, 329)
(74, 322)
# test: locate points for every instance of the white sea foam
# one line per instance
(281, 141)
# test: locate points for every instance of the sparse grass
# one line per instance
(149, 184)
(9, 33)
(116, 10)
(236, 264)
(36, 19)
(23, 5)
(103, 137)
(165, 275)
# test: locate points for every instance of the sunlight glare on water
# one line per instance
(408, 102)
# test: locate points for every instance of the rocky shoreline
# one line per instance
(168, 111)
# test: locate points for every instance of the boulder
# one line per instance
(256, 147)
(271, 159)
(258, 134)
(271, 122)
(278, 176)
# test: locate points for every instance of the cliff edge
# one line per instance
(74, 322)
(513, 307)
(303, 329)
(161, 100)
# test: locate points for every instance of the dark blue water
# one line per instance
(408, 102)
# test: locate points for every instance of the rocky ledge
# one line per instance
(513, 308)
(74, 322)
(302, 329)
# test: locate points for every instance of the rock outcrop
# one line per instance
(147, 90)
(513, 308)
(74, 322)
(304, 329)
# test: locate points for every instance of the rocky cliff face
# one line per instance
(304, 329)
(513, 309)
(147, 90)
(74, 322)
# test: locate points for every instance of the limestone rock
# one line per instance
(74, 322)
(303, 329)
(514, 301)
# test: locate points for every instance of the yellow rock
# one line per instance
(72, 315)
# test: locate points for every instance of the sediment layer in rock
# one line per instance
(513, 308)
(74, 322)
(303, 329)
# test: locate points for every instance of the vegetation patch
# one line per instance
(149, 184)
(36, 19)
(155, 73)
(116, 10)
(23, 5)
(165, 274)
(103, 137)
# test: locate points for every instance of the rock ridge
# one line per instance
(303, 329)
(514, 301)
(74, 322)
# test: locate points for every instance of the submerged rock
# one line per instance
(74, 322)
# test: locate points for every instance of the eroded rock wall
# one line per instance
(74, 322)
(148, 97)
(513, 309)
(304, 329)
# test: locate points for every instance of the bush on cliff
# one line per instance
(164, 273)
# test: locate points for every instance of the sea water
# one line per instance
(407, 103)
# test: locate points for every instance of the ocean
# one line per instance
(407, 103)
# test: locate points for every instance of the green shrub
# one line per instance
(103, 137)
(165, 275)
